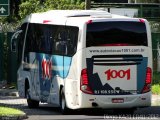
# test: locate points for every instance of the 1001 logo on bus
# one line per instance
(46, 68)
(112, 74)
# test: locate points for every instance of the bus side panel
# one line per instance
(51, 66)
(22, 77)
(71, 82)
(21, 83)
(57, 78)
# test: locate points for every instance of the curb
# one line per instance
(155, 97)
(155, 100)
(14, 93)
(9, 92)
(21, 117)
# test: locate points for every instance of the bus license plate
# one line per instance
(117, 100)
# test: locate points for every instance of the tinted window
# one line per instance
(39, 38)
(20, 42)
(111, 33)
(52, 39)
(71, 40)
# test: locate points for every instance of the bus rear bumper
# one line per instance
(115, 102)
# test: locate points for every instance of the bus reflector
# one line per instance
(84, 87)
(148, 80)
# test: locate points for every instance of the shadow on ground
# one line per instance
(152, 112)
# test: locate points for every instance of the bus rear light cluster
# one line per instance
(148, 80)
(148, 75)
(84, 86)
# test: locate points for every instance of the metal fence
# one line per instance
(155, 41)
(2, 37)
(7, 58)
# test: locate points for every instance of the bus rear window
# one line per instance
(115, 33)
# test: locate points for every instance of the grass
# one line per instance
(156, 89)
(156, 83)
(5, 111)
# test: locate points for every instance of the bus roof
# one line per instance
(62, 15)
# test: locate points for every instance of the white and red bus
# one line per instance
(84, 59)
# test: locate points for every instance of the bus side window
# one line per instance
(71, 40)
(20, 42)
(47, 38)
(58, 45)
(26, 50)
(14, 40)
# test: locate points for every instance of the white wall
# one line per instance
(124, 11)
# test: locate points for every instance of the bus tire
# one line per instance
(64, 109)
(31, 103)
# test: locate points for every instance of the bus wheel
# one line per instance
(31, 103)
(63, 106)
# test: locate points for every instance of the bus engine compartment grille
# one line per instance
(117, 59)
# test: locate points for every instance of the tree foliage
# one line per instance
(32, 6)
(28, 7)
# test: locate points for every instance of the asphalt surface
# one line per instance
(47, 112)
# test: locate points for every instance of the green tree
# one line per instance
(32, 6)
(29, 6)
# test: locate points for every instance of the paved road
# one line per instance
(45, 112)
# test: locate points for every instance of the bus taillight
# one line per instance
(84, 86)
(148, 75)
(148, 80)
